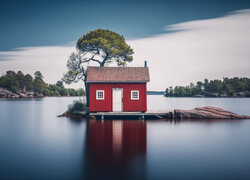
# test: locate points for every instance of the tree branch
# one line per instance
(105, 59)
(91, 59)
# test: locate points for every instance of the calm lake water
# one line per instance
(35, 144)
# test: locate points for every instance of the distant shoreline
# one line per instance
(214, 95)
(206, 97)
(18, 85)
(211, 95)
(36, 97)
(155, 92)
(5, 93)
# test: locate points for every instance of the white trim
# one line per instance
(131, 95)
(99, 98)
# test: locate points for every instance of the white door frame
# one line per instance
(115, 89)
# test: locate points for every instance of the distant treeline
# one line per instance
(228, 87)
(19, 82)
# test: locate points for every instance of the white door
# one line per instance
(117, 99)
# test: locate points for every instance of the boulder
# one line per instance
(22, 95)
(39, 95)
(4, 93)
(207, 112)
(14, 95)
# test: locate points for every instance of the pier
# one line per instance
(133, 115)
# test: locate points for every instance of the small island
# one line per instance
(228, 87)
(19, 85)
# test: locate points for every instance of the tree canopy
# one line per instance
(105, 46)
(100, 46)
(38, 75)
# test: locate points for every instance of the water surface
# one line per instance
(35, 144)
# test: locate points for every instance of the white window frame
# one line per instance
(132, 91)
(98, 98)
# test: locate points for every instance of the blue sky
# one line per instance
(183, 41)
(42, 23)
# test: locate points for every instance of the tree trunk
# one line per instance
(86, 91)
(87, 94)
(104, 60)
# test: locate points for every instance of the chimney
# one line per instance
(145, 63)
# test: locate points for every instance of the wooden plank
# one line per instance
(152, 113)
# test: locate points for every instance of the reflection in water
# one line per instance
(117, 137)
(116, 149)
(35, 144)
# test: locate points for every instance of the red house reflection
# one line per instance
(115, 143)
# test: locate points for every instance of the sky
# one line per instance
(183, 41)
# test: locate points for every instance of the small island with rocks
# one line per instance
(228, 87)
(18, 85)
(79, 110)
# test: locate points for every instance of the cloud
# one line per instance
(50, 60)
(212, 48)
(195, 50)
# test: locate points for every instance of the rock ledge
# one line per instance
(207, 112)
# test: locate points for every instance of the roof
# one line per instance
(118, 74)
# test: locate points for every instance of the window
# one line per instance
(99, 94)
(134, 95)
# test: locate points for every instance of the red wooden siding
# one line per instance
(128, 104)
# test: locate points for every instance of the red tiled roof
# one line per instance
(118, 74)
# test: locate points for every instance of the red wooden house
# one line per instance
(118, 89)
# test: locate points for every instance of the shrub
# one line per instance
(77, 106)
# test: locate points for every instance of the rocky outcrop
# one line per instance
(207, 112)
(4, 93)
(75, 114)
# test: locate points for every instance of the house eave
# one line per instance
(123, 82)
